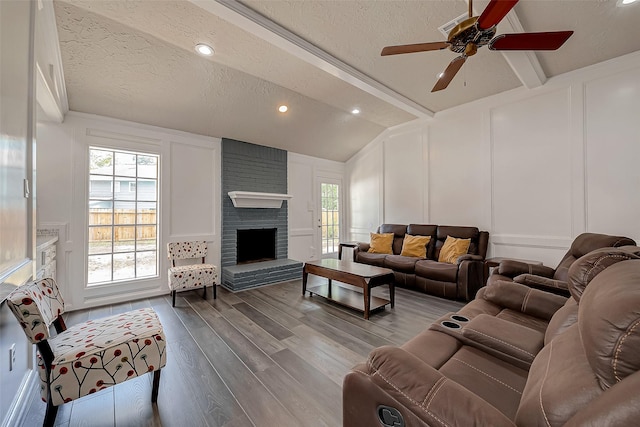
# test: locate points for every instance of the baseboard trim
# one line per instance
(18, 410)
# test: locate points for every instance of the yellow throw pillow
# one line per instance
(381, 243)
(452, 249)
(415, 246)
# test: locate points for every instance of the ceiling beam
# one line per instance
(254, 23)
(524, 63)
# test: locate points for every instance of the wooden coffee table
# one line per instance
(363, 276)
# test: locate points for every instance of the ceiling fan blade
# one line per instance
(530, 41)
(494, 12)
(411, 48)
(448, 75)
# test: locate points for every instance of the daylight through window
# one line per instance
(123, 216)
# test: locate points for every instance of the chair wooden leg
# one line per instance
(156, 384)
(214, 290)
(50, 415)
(204, 292)
(173, 303)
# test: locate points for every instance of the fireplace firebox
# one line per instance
(255, 245)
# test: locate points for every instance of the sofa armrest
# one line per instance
(504, 338)
(543, 283)
(512, 268)
(524, 299)
(427, 393)
(364, 247)
(470, 278)
(469, 257)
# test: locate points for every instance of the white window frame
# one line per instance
(157, 224)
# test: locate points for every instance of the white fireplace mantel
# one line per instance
(252, 199)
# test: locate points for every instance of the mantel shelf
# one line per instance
(252, 199)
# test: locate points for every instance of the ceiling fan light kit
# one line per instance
(477, 31)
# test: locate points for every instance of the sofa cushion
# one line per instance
(398, 231)
(437, 270)
(425, 230)
(459, 232)
(590, 265)
(452, 249)
(381, 243)
(415, 246)
(585, 243)
(405, 264)
(560, 383)
(609, 323)
(371, 259)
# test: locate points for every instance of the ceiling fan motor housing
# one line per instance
(467, 33)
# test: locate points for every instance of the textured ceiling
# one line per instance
(135, 60)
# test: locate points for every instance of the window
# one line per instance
(330, 223)
(122, 235)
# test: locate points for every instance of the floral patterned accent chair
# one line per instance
(190, 276)
(90, 356)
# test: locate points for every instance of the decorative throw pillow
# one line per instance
(381, 243)
(415, 246)
(452, 249)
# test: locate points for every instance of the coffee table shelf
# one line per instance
(346, 297)
(363, 276)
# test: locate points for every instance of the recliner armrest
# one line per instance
(524, 299)
(504, 338)
(364, 247)
(512, 268)
(544, 283)
(469, 257)
(427, 393)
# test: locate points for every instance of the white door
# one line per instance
(329, 216)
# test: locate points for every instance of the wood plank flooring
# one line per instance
(262, 357)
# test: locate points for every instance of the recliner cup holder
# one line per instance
(459, 318)
(450, 325)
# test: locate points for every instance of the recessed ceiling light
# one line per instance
(204, 49)
(355, 111)
(283, 108)
(625, 2)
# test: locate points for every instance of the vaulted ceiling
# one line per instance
(135, 60)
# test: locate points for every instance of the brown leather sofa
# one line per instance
(488, 370)
(555, 280)
(457, 281)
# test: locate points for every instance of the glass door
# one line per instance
(329, 220)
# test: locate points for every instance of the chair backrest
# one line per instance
(590, 373)
(479, 239)
(585, 243)
(36, 305)
(186, 250)
(398, 231)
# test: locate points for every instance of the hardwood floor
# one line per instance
(263, 357)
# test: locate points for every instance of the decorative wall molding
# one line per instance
(137, 139)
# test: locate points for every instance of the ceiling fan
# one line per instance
(477, 31)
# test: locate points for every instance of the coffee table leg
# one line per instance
(392, 293)
(329, 292)
(304, 281)
(367, 298)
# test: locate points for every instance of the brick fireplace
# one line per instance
(255, 168)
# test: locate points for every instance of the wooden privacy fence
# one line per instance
(123, 221)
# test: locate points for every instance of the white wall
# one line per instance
(533, 167)
(189, 196)
(365, 191)
(303, 173)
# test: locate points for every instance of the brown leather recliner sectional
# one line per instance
(457, 281)
(475, 368)
(555, 280)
